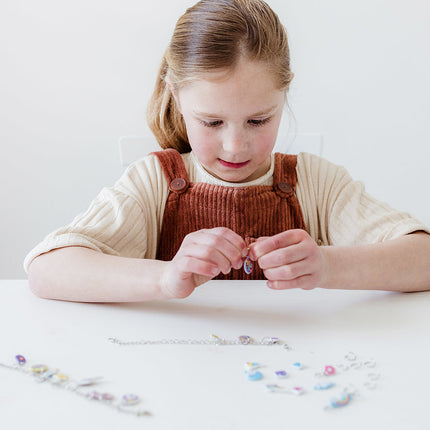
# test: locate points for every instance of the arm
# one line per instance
(293, 260)
(80, 274)
(401, 264)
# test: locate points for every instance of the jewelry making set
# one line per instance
(325, 377)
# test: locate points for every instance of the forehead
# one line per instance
(249, 87)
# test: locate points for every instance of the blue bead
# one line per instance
(254, 376)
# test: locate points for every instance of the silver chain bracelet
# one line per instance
(214, 340)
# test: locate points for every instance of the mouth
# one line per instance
(232, 165)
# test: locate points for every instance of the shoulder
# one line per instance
(313, 166)
(143, 179)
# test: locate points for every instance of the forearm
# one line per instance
(81, 274)
(401, 264)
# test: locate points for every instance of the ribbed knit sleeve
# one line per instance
(121, 220)
(338, 211)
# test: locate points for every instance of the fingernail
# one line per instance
(245, 252)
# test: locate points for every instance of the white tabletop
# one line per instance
(204, 386)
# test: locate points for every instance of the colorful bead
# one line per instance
(59, 378)
(20, 359)
(39, 368)
(281, 374)
(94, 395)
(273, 388)
(244, 340)
(297, 391)
(249, 366)
(248, 266)
(298, 365)
(130, 399)
(321, 386)
(342, 400)
(329, 370)
(254, 376)
(48, 374)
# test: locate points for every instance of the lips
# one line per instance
(232, 165)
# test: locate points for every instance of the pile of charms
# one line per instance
(324, 379)
(43, 373)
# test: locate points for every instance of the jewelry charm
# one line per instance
(130, 399)
(323, 386)
(249, 366)
(281, 374)
(254, 375)
(273, 388)
(298, 391)
(298, 365)
(20, 359)
(329, 370)
(248, 266)
(38, 368)
(42, 373)
(342, 400)
(244, 340)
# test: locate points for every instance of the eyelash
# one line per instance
(252, 122)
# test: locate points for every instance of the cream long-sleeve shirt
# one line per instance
(125, 220)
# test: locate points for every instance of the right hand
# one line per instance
(203, 255)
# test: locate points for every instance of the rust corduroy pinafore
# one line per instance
(251, 212)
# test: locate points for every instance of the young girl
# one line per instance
(217, 194)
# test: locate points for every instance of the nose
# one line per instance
(234, 140)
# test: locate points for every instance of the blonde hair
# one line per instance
(214, 35)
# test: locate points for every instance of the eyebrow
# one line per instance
(264, 112)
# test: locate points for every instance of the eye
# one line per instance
(211, 123)
(258, 122)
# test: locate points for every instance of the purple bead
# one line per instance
(20, 359)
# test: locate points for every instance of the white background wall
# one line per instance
(74, 76)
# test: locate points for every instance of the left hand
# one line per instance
(290, 259)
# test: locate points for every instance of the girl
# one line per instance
(217, 193)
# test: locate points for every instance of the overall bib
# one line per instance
(251, 212)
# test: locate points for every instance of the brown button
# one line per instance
(178, 184)
(284, 187)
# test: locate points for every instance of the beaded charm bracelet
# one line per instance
(42, 373)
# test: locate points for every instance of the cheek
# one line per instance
(267, 138)
(201, 139)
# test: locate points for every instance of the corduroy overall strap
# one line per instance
(252, 212)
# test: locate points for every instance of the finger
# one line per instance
(289, 272)
(190, 265)
(283, 256)
(236, 240)
(224, 242)
(281, 240)
(213, 255)
(306, 282)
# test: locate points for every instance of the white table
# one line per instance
(204, 386)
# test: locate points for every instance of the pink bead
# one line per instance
(329, 370)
